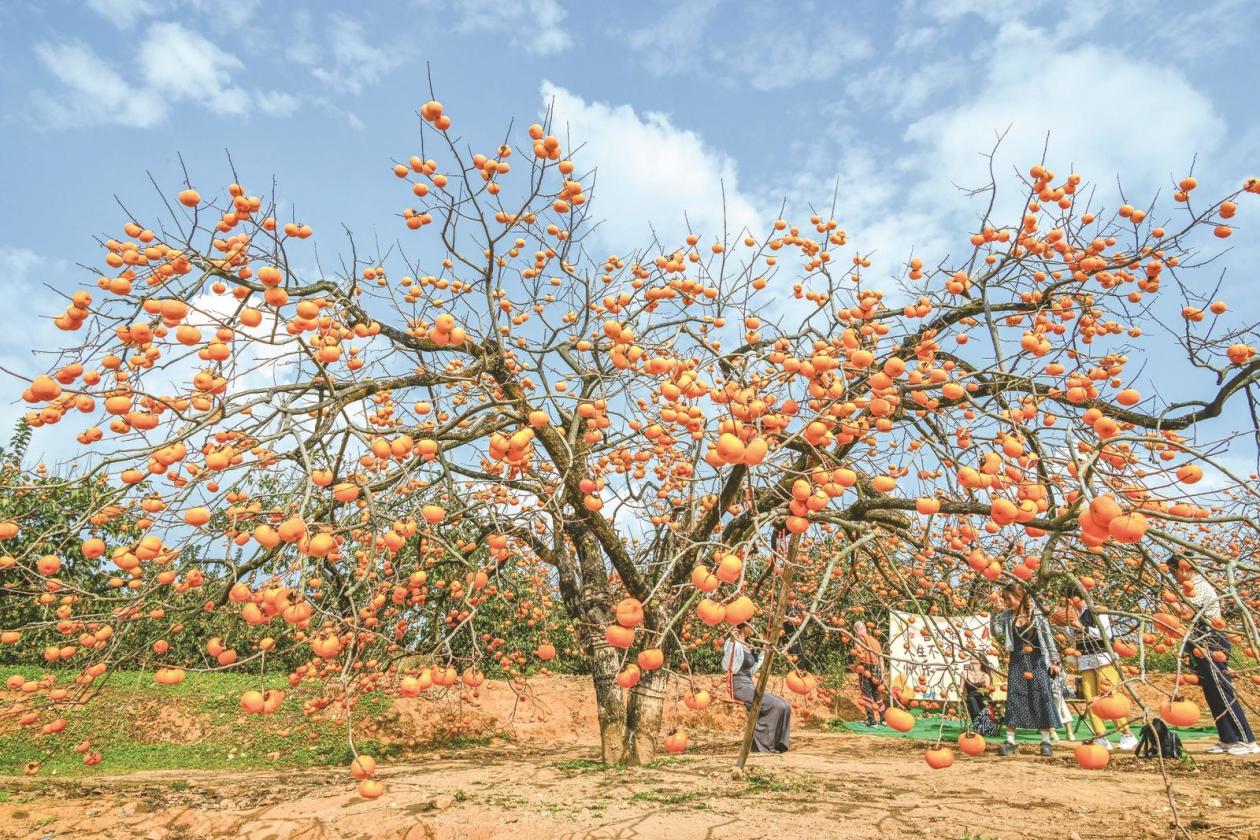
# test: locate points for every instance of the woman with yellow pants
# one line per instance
(1097, 667)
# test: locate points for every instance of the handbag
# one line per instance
(984, 723)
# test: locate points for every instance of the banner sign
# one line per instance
(930, 654)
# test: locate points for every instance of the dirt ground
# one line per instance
(830, 785)
(540, 779)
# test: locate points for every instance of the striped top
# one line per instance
(1205, 599)
(1091, 640)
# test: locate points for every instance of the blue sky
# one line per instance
(676, 102)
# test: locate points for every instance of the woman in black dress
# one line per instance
(976, 684)
(773, 731)
(1034, 664)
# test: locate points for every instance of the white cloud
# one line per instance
(869, 205)
(182, 65)
(300, 44)
(233, 13)
(327, 105)
(174, 65)
(126, 13)
(668, 44)
(537, 26)
(355, 62)
(122, 13)
(648, 172)
(952, 10)
(276, 103)
(95, 92)
(774, 57)
(1107, 116)
(901, 92)
(1206, 31)
(771, 51)
(266, 357)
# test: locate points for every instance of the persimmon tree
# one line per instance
(487, 421)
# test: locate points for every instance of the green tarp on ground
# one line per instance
(928, 729)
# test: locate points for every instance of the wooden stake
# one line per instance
(772, 640)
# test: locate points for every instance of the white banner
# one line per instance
(929, 654)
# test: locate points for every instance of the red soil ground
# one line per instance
(537, 779)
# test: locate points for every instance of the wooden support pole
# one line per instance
(775, 631)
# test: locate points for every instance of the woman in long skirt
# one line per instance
(1208, 649)
(774, 721)
(1032, 701)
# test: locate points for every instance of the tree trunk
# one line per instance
(610, 700)
(589, 603)
(643, 718)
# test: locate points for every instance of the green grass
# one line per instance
(666, 796)
(589, 765)
(126, 712)
(759, 781)
(668, 761)
(580, 765)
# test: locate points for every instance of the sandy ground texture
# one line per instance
(830, 785)
(538, 778)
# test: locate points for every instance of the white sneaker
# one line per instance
(1103, 742)
(1219, 748)
(1128, 742)
(1244, 749)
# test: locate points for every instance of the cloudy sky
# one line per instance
(712, 106)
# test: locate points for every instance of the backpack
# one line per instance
(984, 723)
(1158, 740)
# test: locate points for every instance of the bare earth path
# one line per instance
(830, 785)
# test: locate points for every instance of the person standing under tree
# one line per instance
(1031, 701)
(1090, 633)
(869, 656)
(1209, 649)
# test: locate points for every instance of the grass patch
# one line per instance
(668, 761)
(589, 765)
(205, 728)
(667, 796)
(463, 741)
(581, 765)
(759, 781)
